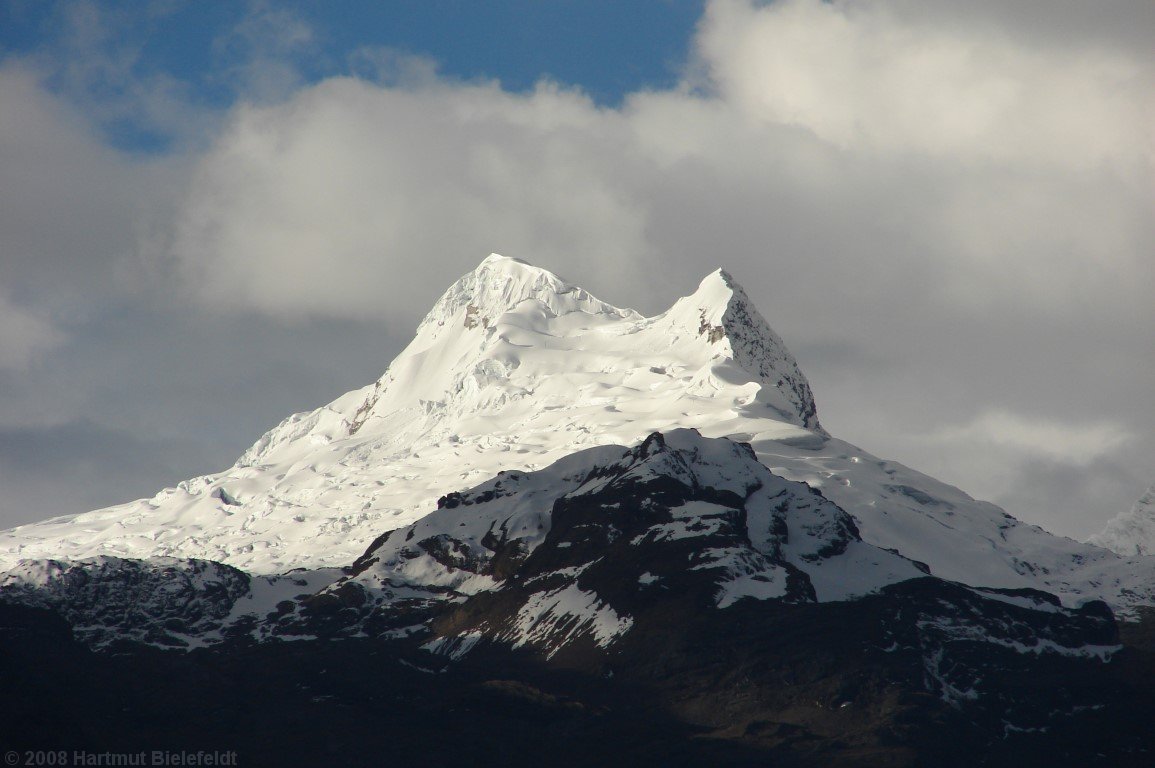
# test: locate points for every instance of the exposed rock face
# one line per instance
(569, 553)
(107, 600)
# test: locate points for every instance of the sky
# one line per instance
(214, 215)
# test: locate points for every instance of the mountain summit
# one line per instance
(726, 316)
(1131, 533)
(507, 315)
(500, 284)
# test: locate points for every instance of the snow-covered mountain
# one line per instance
(511, 369)
(1131, 533)
(514, 369)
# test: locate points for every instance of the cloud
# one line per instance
(860, 139)
(1068, 478)
(24, 337)
(1077, 444)
(1033, 158)
(140, 398)
(96, 57)
(77, 466)
(875, 76)
(1068, 474)
(1074, 500)
(260, 56)
(965, 196)
(72, 209)
(391, 193)
(944, 208)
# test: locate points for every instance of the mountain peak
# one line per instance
(498, 259)
(502, 284)
(714, 293)
(1131, 533)
(726, 302)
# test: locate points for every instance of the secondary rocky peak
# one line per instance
(721, 312)
(721, 308)
(1131, 533)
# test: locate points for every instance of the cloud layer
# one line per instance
(945, 211)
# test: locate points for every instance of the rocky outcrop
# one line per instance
(110, 600)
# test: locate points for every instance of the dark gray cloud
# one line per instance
(1072, 497)
(78, 466)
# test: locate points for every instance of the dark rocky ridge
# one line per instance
(615, 534)
(162, 601)
(798, 685)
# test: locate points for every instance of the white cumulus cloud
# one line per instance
(943, 207)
